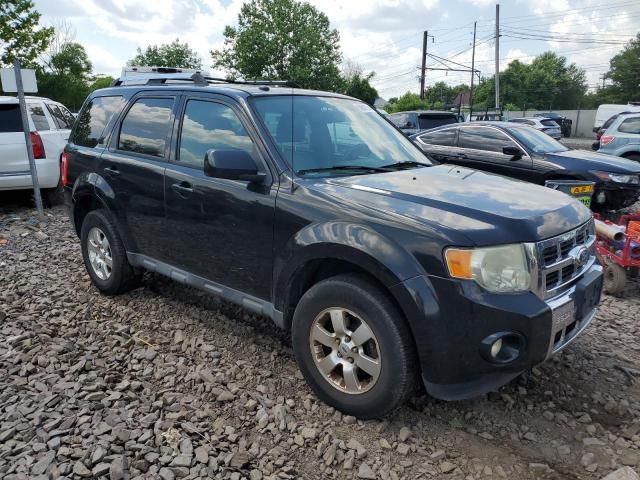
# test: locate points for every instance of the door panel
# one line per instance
(220, 229)
(134, 169)
(481, 148)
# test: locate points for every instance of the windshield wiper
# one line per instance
(344, 167)
(406, 164)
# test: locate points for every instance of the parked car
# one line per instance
(414, 122)
(49, 124)
(545, 125)
(310, 208)
(519, 151)
(622, 137)
(606, 111)
(485, 117)
(564, 122)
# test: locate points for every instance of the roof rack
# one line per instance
(171, 75)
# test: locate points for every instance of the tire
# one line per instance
(634, 156)
(358, 302)
(54, 196)
(615, 278)
(118, 278)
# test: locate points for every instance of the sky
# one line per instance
(382, 36)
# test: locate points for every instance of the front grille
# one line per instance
(559, 262)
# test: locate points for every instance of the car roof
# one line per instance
(430, 112)
(230, 89)
(10, 99)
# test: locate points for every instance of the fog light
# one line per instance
(496, 347)
(502, 347)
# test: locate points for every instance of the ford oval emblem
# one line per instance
(581, 256)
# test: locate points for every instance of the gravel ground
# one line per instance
(167, 382)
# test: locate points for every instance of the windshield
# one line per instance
(536, 140)
(322, 136)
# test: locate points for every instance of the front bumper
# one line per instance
(449, 339)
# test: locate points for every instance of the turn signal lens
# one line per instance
(459, 263)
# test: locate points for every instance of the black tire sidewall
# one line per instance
(120, 266)
(395, 349)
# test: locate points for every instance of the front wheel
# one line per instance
(353, 346)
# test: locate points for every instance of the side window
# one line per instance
(59, 119)
(210, 125)
(482, 138)
(94, 118)
(446, 137)
(398, 119)
(38, 117)
(630, 125)
(145, 128)
(67, 115)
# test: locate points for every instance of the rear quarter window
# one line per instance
(38, 117)
(93, 119)
(548, 123)
(10, 118)
(630, 125)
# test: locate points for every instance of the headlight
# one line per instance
(617, 177)
(502, 269)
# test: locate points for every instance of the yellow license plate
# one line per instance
(582, 189)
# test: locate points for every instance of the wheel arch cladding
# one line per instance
(324, 250)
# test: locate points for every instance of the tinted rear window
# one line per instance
(10, 118)
(90, 128)
(145, 129)
(548, 123)
(431, 121)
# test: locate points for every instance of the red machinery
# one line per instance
(618, 246)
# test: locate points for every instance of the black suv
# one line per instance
(312, 209)
(522, 152)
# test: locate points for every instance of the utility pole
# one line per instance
(473, 65)
(497, 78)
(425, 36)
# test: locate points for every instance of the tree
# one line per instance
(547, 83)
(19, 35)
(624, 72)
(282, 40)
(174, 54)
(65, 74)
(359, 86)
(408, 101)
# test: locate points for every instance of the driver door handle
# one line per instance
(182, 187)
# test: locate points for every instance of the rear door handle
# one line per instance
(113, 170)
(182, 187)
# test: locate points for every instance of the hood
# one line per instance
(598, 161)
(487, 209)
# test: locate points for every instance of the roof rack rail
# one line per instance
(172, 75)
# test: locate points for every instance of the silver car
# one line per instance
(546, 125)
(622, 137)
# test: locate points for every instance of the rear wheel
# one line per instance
(104, 255)
(353, 346)
(54, 196)
(615, 278)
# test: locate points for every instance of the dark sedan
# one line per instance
(524, 153)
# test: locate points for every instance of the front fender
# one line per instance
(380, 256)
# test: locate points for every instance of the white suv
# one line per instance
(49, 123)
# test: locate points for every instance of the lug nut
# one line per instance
(347, 338)
(354, 349)
(350, 359)
(337, 340)
(339, 355)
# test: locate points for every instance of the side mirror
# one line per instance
(514, 152)
(232, 164)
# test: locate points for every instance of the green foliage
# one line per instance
(547, 83)
(282, 40)
(65, 75)
(174, 54)
(624, 73)
(442, 94)
(102, 81)
(358, 86)
(19, 35)
(407, 101)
